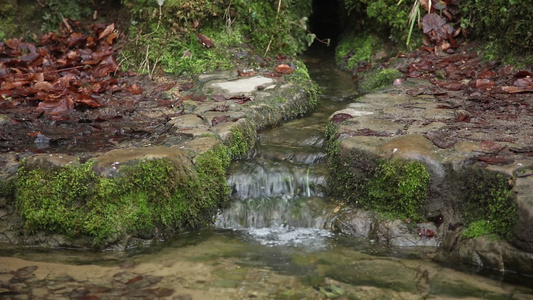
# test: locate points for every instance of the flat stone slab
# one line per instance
(237, 87)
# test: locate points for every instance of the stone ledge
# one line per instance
(391, 124)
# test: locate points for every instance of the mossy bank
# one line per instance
(150, 195)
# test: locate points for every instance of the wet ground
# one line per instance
(228, 265)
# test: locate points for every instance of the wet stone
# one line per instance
(39, 292)
(26, 271)
(124, 277)
(78, 293)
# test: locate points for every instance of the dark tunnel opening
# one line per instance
(325, 22)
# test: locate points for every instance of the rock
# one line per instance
(414, 147)
(523, 229)
(238, 87)
(109, 164)
(50, 161)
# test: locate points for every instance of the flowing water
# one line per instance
(270, 243)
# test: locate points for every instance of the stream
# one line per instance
(270, 243)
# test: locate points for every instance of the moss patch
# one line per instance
(300, 77)
(395, 188)
(378, 79)
(354, 49)
(158, 196)
(486, 203)
(242, 141)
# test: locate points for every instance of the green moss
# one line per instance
(398, 188)
(158, 196)
(395, 188)
(477, 229)
(486, 203)
(243, 138)
(378, 79)
(168, 40)
(301, 78)
(356, 48)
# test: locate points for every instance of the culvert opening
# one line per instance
(325, 21)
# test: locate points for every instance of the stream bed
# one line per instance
(271, 242)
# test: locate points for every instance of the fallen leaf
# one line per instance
(107, 31)
(284, 69)
(218, 98)
(135, 89)
(484, 84)
(64, 106)
(205, 40)
(219, 120)
(341, 117)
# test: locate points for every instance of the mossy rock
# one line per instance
(153, 193)
(377, 79)
(395, 188)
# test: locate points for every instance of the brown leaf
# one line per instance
(87, 100)
(61, 107)
(435, 27)
(135, 89)
(111, 38)
(284, 69)
(218, 98)
(219, 120)
(514, 89)
(246, 73)
(205, 40)
(74, 39)
(484, 84)
(109, 65)
(107, 31)
(463, 117)
(450, 85)
(341, 117)
(220, 108)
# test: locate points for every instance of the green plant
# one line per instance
(507, 23)
(55, 10)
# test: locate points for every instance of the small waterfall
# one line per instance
(279, 196)
(257, 179)
(278, 202)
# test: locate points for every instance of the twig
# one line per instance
(272, 38)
